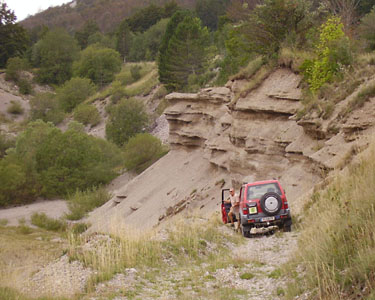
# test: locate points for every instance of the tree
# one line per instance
(333, 52)
(365, 7)
(170, 8)
(55, 54)
(268, 24)
(186, 54)
(367, 29)
(124, 39)
(346, 9)
(14, 38)
(209, 11)
(126, 119)
(169, 32)
(102, 40)
(74, 92)
(145, 46)
(82, 36)
(145, 18)
(98, 64)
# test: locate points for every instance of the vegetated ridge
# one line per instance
(107, 14)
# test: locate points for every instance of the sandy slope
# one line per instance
(181, 180)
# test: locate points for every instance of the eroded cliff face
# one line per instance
(218, 140)
(258, 137)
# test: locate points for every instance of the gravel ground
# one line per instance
(161, 129)
(59, 278)
(268, 253)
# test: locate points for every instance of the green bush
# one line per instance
(333, 53)
(14, 67)
(15, 108)
(142, 150)
(18, 182)
(45, 106)
(54, 54)
(41, 220)
(87, 114)
(117, 92)
(74, 92)
(80, 203)
(98, 64)
(48, 162)
(79, 228)
(6, 142)
(24, 86)
(135, 71)
(126, 119)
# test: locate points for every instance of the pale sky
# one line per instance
(23, 8)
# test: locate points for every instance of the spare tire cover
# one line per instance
(270, 203)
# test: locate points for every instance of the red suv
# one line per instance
(263, 204)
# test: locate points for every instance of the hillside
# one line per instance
(217, 138)
(168, 238)
(107, 14)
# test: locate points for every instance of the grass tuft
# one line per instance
(251, 69)
(41, 220)
(247, 276)
(80, 203)
(15, 108)
(358, 101)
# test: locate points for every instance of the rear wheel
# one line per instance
(287, 225)
(244, 232)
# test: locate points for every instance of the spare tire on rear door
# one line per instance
(270, 203)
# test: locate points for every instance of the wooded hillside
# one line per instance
(107, 14)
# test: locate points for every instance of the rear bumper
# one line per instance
(262, 220)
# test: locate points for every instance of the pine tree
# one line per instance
(124, 39)
(13, 37)
(186, 54)
(171, 28)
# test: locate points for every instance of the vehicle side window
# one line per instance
(242, 194)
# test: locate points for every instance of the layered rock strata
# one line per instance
(218, 139)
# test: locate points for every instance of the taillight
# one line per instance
(286, 205)
(245, 211)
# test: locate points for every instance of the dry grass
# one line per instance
(186, 242)
(365, 93)
(125, 85)
(293, 58)
(338, 241)
(252, 67)
(22, 254)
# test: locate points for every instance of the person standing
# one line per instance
(235, 208)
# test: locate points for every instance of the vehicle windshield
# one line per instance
(257, 191)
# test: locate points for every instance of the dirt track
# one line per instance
(52, 208)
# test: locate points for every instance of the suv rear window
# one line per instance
(257, 191)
